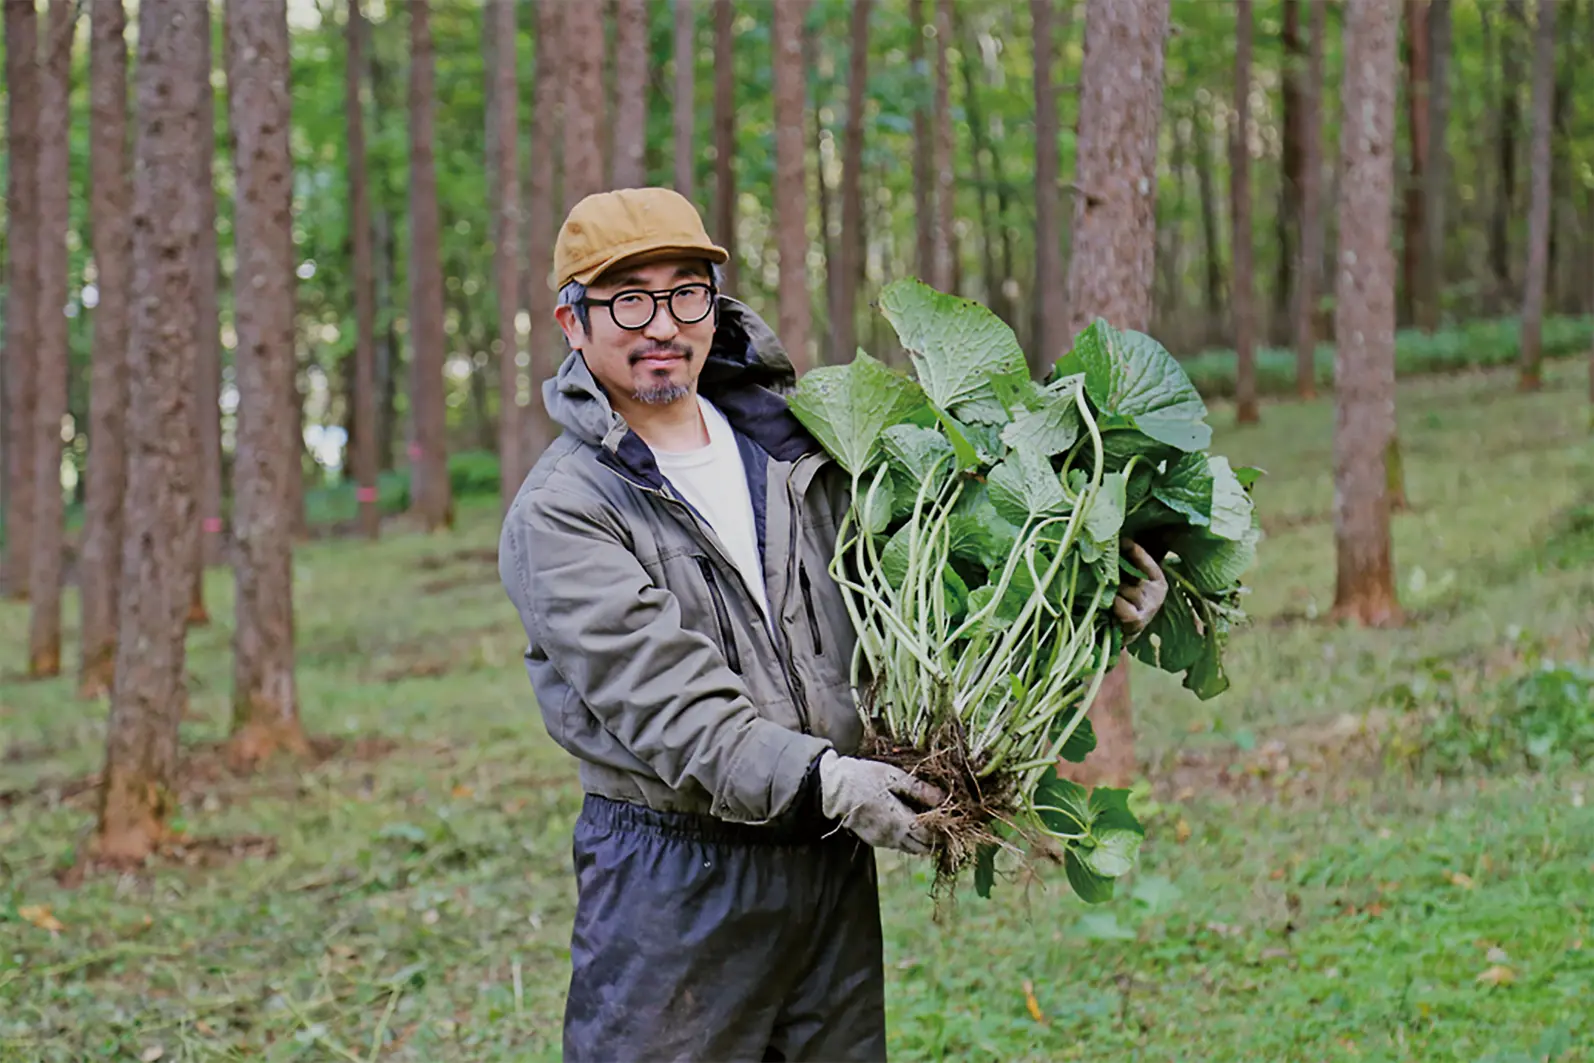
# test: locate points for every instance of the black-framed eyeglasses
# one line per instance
(634, 308)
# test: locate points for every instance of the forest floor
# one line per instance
(1303, 893)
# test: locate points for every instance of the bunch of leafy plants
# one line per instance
(981, 555)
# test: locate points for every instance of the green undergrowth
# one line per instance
(409, 896)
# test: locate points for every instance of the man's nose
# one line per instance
(663, 326)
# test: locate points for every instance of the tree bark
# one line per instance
(512, 466)
(1416, 41)
(630, 91)
(1206, 186)
(50, 396)
(1306, 271)
(1435, 174)
(207, 356)
(363, 401)
(823, 352)
(945, 240)
(791, 193)
(100, 562)
(22, 287)
(725, 135)
(1292, 164)
(685, 97)
(923, 173)
(430, 496)
(979, 148)
(850, 267)
(1539, 198)
(543, 343)
(1509, 116)
(1240, 298)
(137, 794)
(265, 700)
(1364, 319)
(387, 352)
(1111, 269)
(581, 64)
(1049, 309)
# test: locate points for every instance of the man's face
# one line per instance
(658, 363)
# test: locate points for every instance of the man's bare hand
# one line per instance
(1138, 601)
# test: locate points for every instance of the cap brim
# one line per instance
(713, 253)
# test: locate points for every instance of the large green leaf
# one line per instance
(981, 536)
(1114, 854)
(1130, 375)
(847, 407)
(1050, 430)
(920, 451)
(1231, 503)
(1024, 486)
(1186, 487)
(1062, 804)
(984, 869)
(957, 345)
(1091, 887)
(1206, 678)
(1105, 518)
(1212, 565)
(1173, 641)
(1081, 743)
(982, 409)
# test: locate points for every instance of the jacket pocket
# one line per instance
(808, 607)
(722, 615)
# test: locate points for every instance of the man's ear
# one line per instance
(575, 335)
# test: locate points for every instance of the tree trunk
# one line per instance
(387, 353)
(631, 92)
(1306, 272)
(138, 792)
(1049, 308)
(207, 352)
(581, 64)
(1240, 297)
(22, 287)
(725, 135)
(1416, 40)
(512, 466)
(100, 562)
(1293, 161)
(363, 401)
(791, 193)
(265, 701)
(923, 175)
(50, 396)
(850, 267)
(945, 246)
(1206, 185)
(1539, 201)
(543, 342)
(1435, 170)
(823, 352)
(430, 498)
(1111, 269)
(1364, 318)
(990, 223)
(686, 149)
(1509, 119)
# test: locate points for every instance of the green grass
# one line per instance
(1303, 904)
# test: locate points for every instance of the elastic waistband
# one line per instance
(793, 828)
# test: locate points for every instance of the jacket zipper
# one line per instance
(722, 615)
(808, 607)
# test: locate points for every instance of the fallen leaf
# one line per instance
(39, 915)
(152, 1053)
(1457, 878)
(1578, 944)
(1497, 955)
(1374, 909)
(1032, 1004)
(462, 791)
(1181, 830)
(1276, 874)
(1499, 974)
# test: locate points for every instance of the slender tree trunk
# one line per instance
(430, 497)
(1435, 173)
(990, 223)
(1293, 161)
(50, 397)
(1416, 40)
(1049, 308)
(823, 352)
(791, 193)
(544, 346)
(943, 147)
(100, 563)
(1509, 113)
(581, 64)
(1111, 270)
(506, 251)
(1246, 411)
(387, 351)
(137, 795)
(1206, 185)
(207, 357)
(686, 149)
(1364, 368)
(22, 287)
(630, 90)
(265, 700)
(1306, 273)
(363, 401)
(850, 267)
(1539, 201)
(725, 135)
(924, 214)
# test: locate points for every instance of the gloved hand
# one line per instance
(1139, 600)
(863, 795)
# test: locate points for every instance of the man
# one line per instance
(668, 556)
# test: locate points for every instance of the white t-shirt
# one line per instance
(713, 480)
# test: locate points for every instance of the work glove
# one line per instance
(1139, 600)
(865, 795)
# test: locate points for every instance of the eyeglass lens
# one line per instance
(689, 304)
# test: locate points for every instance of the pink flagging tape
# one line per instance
(365, 494)
(212, 525)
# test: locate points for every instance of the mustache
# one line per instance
(652, 350)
